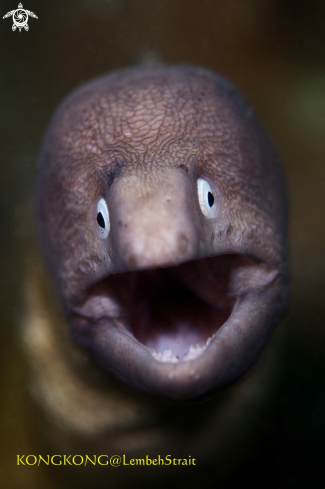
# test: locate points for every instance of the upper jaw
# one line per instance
(239, 303)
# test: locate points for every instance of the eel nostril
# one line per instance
(183, 243)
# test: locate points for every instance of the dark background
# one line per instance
(274, 51)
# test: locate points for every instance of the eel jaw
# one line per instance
(179, 332)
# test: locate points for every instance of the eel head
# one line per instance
(161, 212)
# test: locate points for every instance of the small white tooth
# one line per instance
(157, 355)
(198, 346)
(192, 349)
(167, 353)
(209, 340)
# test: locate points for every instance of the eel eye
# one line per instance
(206, 198)
(102, 218)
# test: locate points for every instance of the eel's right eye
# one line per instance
(102, 218)
(207, 199)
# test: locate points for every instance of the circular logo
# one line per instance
(20, 18)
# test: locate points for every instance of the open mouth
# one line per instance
(173, 311)
(181, 331)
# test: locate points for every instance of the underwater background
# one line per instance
(274, 51)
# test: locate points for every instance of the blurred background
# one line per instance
(274, 51)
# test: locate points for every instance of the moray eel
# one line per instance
(161, 213)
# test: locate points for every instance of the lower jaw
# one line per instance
(228, 355)
(179, 332)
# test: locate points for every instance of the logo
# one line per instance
(20, 18)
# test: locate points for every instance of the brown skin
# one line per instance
(140, 140)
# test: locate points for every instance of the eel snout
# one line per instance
(153, 223)
(162, 217)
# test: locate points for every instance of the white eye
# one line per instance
(207, 199)
(102, 218)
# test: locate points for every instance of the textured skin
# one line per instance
(141, 139)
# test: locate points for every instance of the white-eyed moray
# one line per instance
(161, 213)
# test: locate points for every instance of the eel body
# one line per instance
(161, 213)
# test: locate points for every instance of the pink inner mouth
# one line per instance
(167, 314)
(173, 311)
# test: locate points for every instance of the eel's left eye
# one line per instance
(102, 218)
(206, 198)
